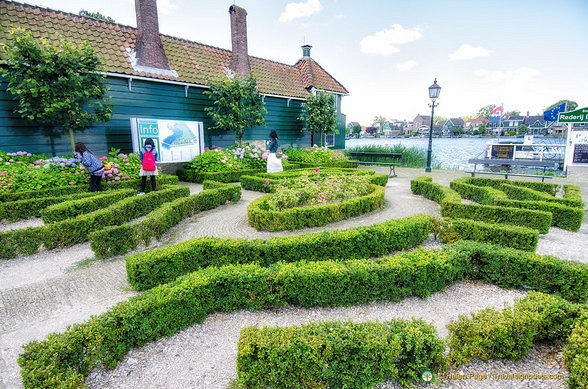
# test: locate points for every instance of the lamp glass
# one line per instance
(434, 91)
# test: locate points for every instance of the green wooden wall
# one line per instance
(148, 99)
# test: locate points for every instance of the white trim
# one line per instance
(282, 96)
(330, 91)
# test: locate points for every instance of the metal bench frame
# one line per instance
(392, 165)
(509, 163)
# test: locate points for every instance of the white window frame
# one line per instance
(332, 138)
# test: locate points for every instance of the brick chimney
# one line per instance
(239, 56)
(148, 47)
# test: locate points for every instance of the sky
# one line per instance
(524, 55)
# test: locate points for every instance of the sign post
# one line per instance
(175, 140)
(577, 142)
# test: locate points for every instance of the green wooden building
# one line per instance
(169, 87)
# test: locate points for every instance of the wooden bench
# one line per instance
(509, 163)
(392, 156)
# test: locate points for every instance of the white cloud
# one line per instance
(468, 52)
(300, 10)
(166, 6)
(339, 17)
(385, 42)
(406, 66)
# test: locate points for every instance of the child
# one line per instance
(93, 164)
(148, 156)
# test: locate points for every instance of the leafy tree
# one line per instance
(379, 119)
(570, 106)
(57, 85)
(95, 15)
(510, 114)
(482, 128)
(357, 130)
(437, 119)
(522, 129)
(371, 130)
(237, 105)
(319, 115)
(486, 111)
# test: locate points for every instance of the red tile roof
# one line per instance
(194, 62)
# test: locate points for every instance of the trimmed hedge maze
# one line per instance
(65, 359)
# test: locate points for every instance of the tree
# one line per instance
(371, 130)
(319, 115)
(522, 129)
(57, 85)
(482, 128)
(486, 111)
(379, 119)
(357, 130)
(510, 114)
(570, 105)
(95, 15)
(237, 105)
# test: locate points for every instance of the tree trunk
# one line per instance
(71, 139)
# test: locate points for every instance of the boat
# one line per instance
(528, 148)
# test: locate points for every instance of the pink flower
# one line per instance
(109, 174)
(238, 166)
(116, 178)
(322, 197)
(266, 183)
(102, 158)
(71, 183)
(126, 177)
(206, 148)
(316, 170)
(116, 165)
(300, 192)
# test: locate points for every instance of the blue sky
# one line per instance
(525, 54)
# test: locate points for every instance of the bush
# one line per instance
(117, 240)
(316, 156)
(497, 183)
(338, 355)
(78, 207)
(562, 216)
(486, 195)
(12, 211)
(509, 268)
(68, 232)
(515, 192)
(411, 156)
(311, 216)
(572, 194)
(576, 354)
(515, 237)
(510, 333)
(192, 175)
(424, 186)
(157, 266)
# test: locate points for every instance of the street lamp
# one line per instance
(434, 91)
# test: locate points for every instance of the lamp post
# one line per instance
(434, 91)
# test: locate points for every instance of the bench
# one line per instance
(392, 156)
(509, 163)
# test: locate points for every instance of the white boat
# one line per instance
(548, 149)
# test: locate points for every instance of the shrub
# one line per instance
(511, 332)
(572, 195)
(68, 232)
(411, 156)
(12, 211)
(563, 216)
(78, 207)
(117, 240)
(316, 156)
(576, 353)
(515, 237)
(157, 266)
(339, 355)
(497, 183)
(231, 159)
(260, 217)
(486, 195)
(515, 192)
(424, 186)
(510, 268)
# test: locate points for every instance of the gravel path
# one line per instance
(48, 291)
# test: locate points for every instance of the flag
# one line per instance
(496, 114)
(552, 114)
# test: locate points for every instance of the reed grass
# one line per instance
(411, 156)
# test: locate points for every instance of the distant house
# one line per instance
(512, 123)
(156, 76)
(474, 124)
(536, 125)
(452, 125)
(421, 121)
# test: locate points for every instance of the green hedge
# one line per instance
(73, 208)
(338, 355)
(12, 211)
(510, 268)
(117, 240)
(510, 333)
(566, 217)
(496, 183)
(158, 266)
(572, 194)
(66, 358)
(191, 175)
(72, 231)
(576, 354)
(515, 192)
(162, 179)
(537, 220)
(425, 187)
(315, 215)
(516, 237)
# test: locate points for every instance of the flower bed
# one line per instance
(22, 171)
(65, 359)
(148, 269)
(72, 231)
(117, 240)
(316, 156)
